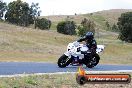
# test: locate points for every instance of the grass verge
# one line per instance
(52, 81)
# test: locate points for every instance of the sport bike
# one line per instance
(78, 54)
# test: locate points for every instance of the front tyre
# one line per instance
(63, 61)
(93, 61)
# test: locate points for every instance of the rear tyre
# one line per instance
(93, 61)
(63, 61)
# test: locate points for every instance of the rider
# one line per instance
(90, 42)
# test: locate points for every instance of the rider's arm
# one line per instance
(93, 47)
(81, 39)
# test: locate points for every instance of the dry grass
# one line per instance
(99, 18)
(113, 14)
(117, 54)
(116, 51)
(27, 44)
(110, 15)
(58, 18)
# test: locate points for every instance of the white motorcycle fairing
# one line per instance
(72, 49)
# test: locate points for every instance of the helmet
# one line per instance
(89, 35)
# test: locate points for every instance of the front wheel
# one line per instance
(63, 61)
(93, 61)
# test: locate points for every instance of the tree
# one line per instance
(21, 13)
(34, 12)
(18, 13)
(43, 23)
(66, 27)
(86, 25)
(125, 26)
(3, 8)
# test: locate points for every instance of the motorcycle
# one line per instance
(78, 54)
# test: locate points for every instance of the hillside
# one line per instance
(107, 15)
(99, 17)
(27, 44)
(113, 14)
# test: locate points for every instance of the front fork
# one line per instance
(73, 59)
(67, 54)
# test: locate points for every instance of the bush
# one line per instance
(115, 28)
(66, 27)
(125, 26)
(108, 26)
(81, 30)
(43, 23)
(86, 25)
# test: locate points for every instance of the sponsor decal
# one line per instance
(83, 78)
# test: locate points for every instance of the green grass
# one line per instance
(42, 81)
(51, 81)
(53, 26)
(98, 19)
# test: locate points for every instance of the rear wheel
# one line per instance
(63, 61)
(93, 61)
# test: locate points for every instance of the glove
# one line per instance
(76, 43)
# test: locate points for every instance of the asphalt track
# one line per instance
(12, 68)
